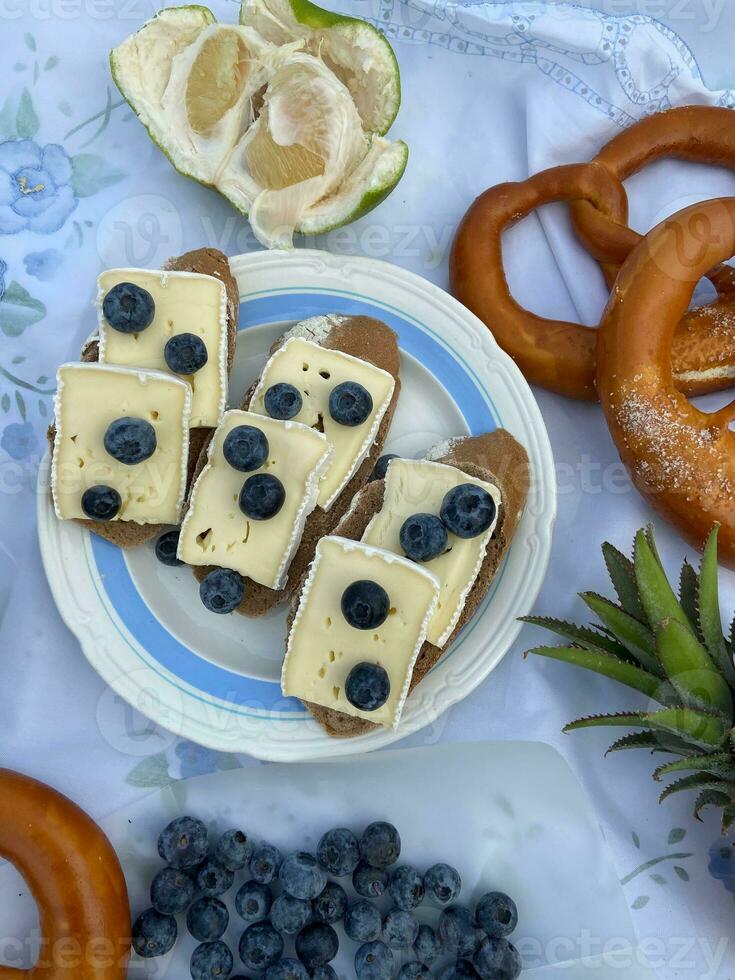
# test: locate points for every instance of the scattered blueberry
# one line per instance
(183, 843)
(253, 901)
(213, 878)
(185, 353)
(128, 308)
(380, 844)
(283, 401)
(374, 961)
(289, 915)
(331, 905)
(363, 922)
(260, 946)
(467, 510)
(316, 945)
(167, 545)
(413, 970)
(262, 496)
(211, 961)
(287, 969)
(427, 946)
(301, 875)
(101, 503)
(245, 448)
(365, 604)
(350, 403)
(154, 934)
(368, 881)
(458, 930)
(324, 972)
(207, 919)
(381, 466)
(172, 891)
(265, 863)
(233, 850)
(221, 590)
(443, 883)
(367, 687)
(130, 440)
(338, 852)
(497, 959)
(496, 914)
(400, 929)
(406, 887)
(461, 969)
(423, 537)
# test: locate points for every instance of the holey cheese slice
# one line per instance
(315, 371)
(418, 486)
(323, 647)
(216, 532)
(91, 396)
(186, 302)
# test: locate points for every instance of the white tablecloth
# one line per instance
(491, 92)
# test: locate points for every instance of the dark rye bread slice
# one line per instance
(206, 261)
(495, 457)
(373, 341)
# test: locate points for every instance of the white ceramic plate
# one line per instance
(215, 679)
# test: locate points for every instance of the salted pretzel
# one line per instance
(680, 458)
(75, 877)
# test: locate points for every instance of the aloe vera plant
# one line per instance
(671, 649)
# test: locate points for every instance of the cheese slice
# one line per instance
(91, 396)
(322, 646)
(415, 486)
(315, 371)
(216, 532)
(186, 302)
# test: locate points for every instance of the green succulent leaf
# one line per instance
(636, 637)
(709, 609)
(695, 727)
(690, 668)
(710, 797)
(699, 780)
(590, 639)
(657, 596)
(610, 666)
(688, 590)
(622, 574)
(721, 764)
(728, 818)
(637, 740)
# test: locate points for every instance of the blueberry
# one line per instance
(253, 901)
(316, 945)
(365, 604)
(496, 914)
(233, 850)
(368, 881)
(380, 844)
(443, 883)
(245, 448)
(262, 496)
(172, 891)
(374, 961)
(154, 934)
(289, 915)
(406, 887)
(423, 537)
(128, 308)
(468, 510)
(221, 590)
(210, 961)
(350, 403)
(363, 922)
(301, 875)
(338, 852)
(331, 905)
(265, 863)
(185, 353)
(497, 959)
(183, 843)
(207, 918)
(458, 930)
(324, 972)
(400, 928)
(381, 466)
(287, 969)
(130, 440)
(101, 503)
(260, 946)
(367, 687)
(213, 878)
(427, 947)
(413, 970)
(283, 401)
(167, 545)
(461, 969)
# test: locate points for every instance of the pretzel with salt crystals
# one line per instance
(680, 458)
(75, 877)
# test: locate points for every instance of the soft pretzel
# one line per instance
(75, 877)
(680, 458)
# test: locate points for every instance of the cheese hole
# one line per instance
(328, 622)
(304, 366)
(332, 656)
(231, 545)
(154, 416)
(319, 426)
(80, 462)
(335, 692)
(322, 671)
(325, 374)
(392, 611)
(376, 637)
(203, 538)
(247, 532)
(73, 438)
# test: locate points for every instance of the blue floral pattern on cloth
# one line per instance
(722, 864)
(35, 187)
(43, 265)
(19, 440)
